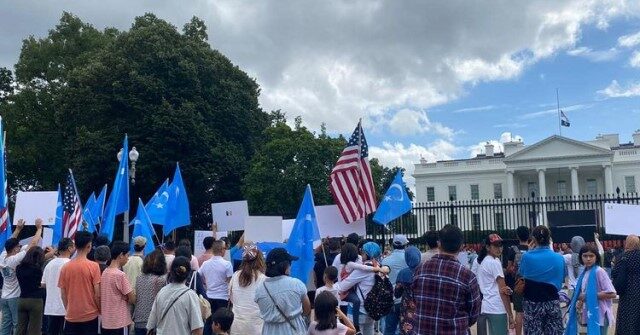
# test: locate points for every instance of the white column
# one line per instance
(542, 183)
(575, 186)
(608, 180)
(510, 185)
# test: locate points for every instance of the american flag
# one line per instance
(72, 208)
(350, 181)
(4, 197)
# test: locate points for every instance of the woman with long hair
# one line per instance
(242, 290)
(30, 303)
(148, 284)
(176, 309)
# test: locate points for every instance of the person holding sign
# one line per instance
(9, 260)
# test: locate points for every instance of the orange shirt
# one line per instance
(113, 298)
(77, 278)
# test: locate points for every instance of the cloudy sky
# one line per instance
(432, 79)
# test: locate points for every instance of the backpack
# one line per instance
(379, 301)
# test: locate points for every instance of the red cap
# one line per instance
(494, 238)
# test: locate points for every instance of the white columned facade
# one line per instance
(542, 183)
(511, 193)
(575, 186)
(608, 179)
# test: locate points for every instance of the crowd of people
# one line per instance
(89, 285)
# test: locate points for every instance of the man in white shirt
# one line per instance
(133, 268)
(216, 273)
(53, 306)
(9, 260)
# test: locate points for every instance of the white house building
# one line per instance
(554, 166)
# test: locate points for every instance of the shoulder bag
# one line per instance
(205, 306)
(286, 318)
(153, 331)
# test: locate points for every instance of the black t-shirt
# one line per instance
(539, 292)
(29, 278)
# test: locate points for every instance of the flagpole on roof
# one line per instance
(559, 116)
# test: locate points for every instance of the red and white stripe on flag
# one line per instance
(351, 183)
(72, 208)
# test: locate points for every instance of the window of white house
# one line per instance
(497, 191)
(453, 195)
(475, 192)
(432, 222)
(562, 187)
(630, 184)
(431, 193)
(499, 220)
(532, 187)
(592, 186)
(475, 221)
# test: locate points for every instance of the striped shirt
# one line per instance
(114, 288)
(447, 297)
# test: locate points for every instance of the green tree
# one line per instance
(81, 90)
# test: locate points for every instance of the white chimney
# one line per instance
(512, 147)
(423, 161)
(636, 138)
(488, 149)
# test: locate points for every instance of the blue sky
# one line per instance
(432, 79)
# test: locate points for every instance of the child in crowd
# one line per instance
(326, 309)
(330, 276)
(222, 320)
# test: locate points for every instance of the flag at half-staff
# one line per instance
(350, 182)
(564, 120)
(72, 208)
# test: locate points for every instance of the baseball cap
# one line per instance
(400, 240)
(494, 238)
(279, 255)
(140, 241)
(11, 244)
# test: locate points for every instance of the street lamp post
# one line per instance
(133, 157)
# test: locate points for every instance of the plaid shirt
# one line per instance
(447, 297)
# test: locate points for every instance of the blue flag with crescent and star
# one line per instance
(142, 227)
(157, 207)
(304, 233)
(178, 205)
(119, 198)
(395, 202)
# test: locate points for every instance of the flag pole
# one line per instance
(559, 116)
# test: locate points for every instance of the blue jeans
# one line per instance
(391, 320)
(9, 315)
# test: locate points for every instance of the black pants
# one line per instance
(119, 331)
(55, 324)
(81, 328)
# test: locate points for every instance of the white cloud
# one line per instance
(498, 145)
(554, 111)
(475, 109)
(614, 90)
(594, 55)
(398, 154)
(630, 40)
(407, 122)
(634, 61)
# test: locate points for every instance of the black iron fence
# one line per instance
(477, 218)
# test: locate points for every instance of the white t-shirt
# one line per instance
(490, 269)
(169, 259)
(332, 290)
(53, 305)
(571, 277)
(216, 271)
(11, 288)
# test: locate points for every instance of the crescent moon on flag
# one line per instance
(399, 190)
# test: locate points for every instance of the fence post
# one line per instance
(451, 211)
(618, 199)
(533, 215)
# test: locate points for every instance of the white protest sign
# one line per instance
(198, 238)
(621, 219)
(46, 241)
(33, 205)
(287, 226)
(332, 224)
(230, 216)
(263, 229)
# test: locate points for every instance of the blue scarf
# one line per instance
(593, 310)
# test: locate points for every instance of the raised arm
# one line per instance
(38, 236)
(19, 227)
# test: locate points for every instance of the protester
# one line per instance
(98, 241)
(395, 261)
(169, 249)
(349, 259)
(80, 289)
(222, 321)
(116, 292)
(572, 262)
(363, 278)
(329, 278)
(194, 281)
(593, 296)
(514, 258)
(176, 309)
(216, 273)
(447, 293)
(102, 255)
(543, 272)
(195, 265)
(30, 304)
(326, 309)
(53, 307)
(403, 290)
(626, 276)
(148, 284)
(242, 291)
(496, 307)
(207, 243)
(9, 260)
(354, 239)
(133, 268)
(282, 299)
(325, 258)
(431, 238)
